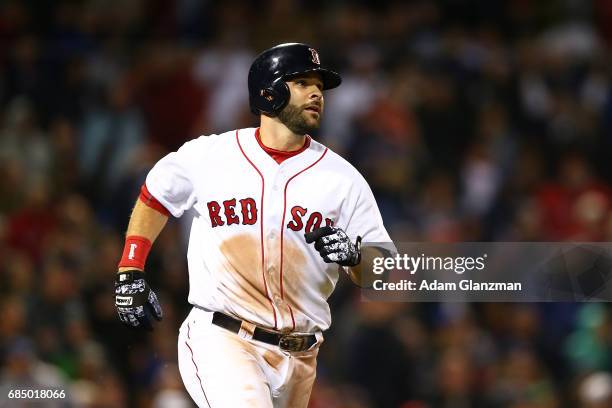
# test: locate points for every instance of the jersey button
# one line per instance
(277, 300)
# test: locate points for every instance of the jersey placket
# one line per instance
(273, 200)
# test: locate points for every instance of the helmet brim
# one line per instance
(330, 78)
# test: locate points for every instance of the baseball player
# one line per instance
(277, 217)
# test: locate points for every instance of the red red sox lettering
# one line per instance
(227, 213)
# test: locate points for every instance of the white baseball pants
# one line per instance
(221, 369)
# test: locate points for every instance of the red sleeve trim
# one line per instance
(150, 201)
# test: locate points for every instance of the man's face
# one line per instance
(302, 114)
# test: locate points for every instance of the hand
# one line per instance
(335, 246)
(135, 301)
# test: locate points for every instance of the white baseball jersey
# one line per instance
(247, 254)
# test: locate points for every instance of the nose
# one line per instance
(316, 93)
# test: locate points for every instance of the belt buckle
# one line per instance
(292, 343)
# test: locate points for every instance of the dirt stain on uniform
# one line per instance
(302, 379)
(273, 359)
(294, 268)
(243, 255)
(297, 277)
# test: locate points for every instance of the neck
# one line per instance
(275, 135)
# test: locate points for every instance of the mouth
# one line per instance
(313, 108)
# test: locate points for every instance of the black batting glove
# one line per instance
(135, 301)
(335, 246)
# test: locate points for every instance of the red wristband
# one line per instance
(135, 252)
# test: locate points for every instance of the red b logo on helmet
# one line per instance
(315, 56)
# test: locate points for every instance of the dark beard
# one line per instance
(291, 116)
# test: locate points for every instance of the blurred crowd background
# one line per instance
(471, 120)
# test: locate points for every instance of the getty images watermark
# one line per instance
(457, 264)
(490, 272)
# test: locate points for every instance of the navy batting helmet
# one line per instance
(268, 92)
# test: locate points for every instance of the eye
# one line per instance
(300, 82)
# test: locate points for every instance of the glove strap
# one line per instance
(128, 276)
(358, 249)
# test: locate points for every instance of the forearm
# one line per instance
(362, 274)
(144, 222)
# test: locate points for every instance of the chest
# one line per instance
(298, 197)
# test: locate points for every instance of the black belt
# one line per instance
(287, 342)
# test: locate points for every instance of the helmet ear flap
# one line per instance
(273, 98)
(279, 92)
(268, 94)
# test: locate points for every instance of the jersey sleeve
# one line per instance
(365, 219)
(171, 180)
